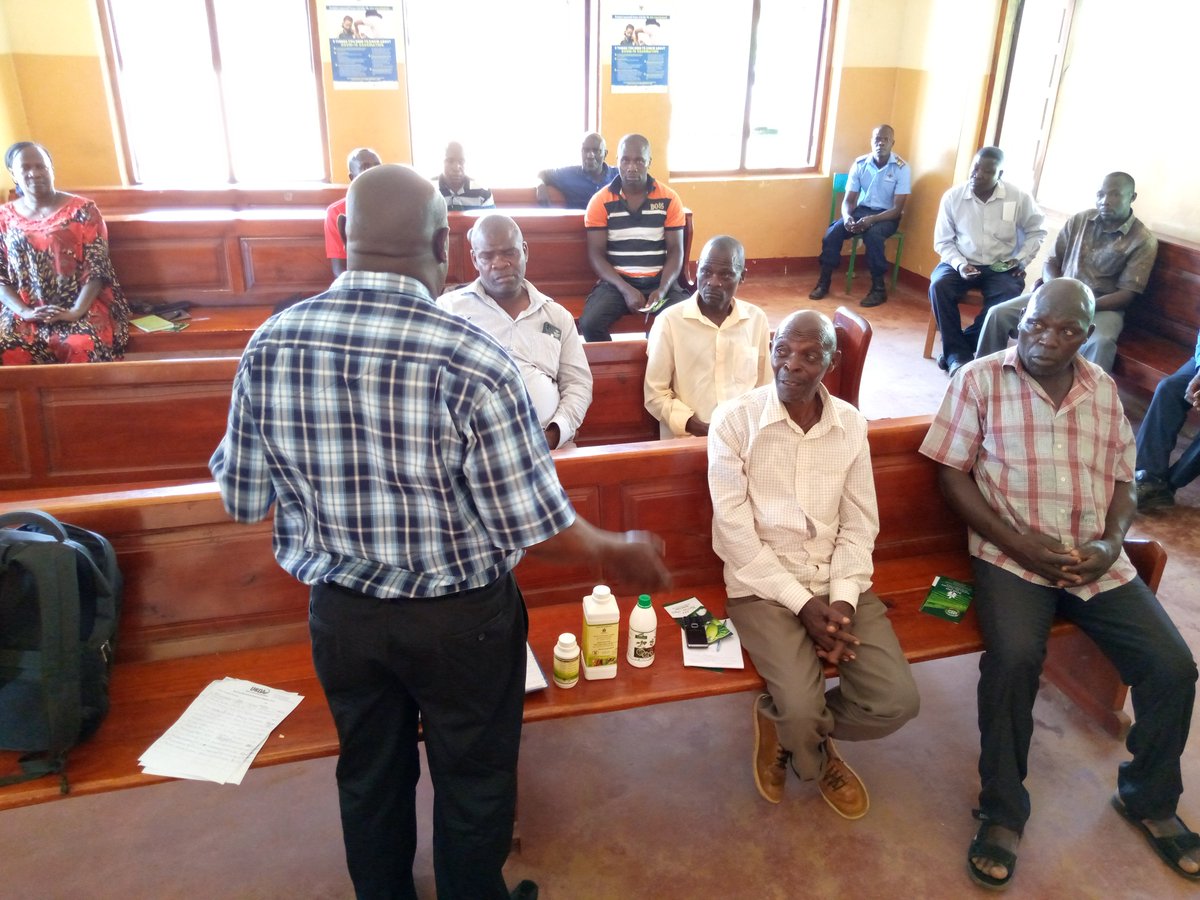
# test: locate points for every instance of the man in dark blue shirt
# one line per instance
(578, 183)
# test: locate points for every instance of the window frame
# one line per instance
(128, 162)
(1008, 34)
(819, 108)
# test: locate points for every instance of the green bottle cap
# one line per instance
(644, 601)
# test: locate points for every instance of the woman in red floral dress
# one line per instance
(61, 300)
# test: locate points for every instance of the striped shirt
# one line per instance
(794, 512)
(469, 196)
(637, 241)
(1041, 469)
(395, 440)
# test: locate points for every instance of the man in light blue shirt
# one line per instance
(876, 192)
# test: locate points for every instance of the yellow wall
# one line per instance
(12, 109)
(58, 92)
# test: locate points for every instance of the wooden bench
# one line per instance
(239, 256)
(121, 424)
(205, 599)
(1162, 324)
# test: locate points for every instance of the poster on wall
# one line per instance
(639, 53)
(362, 46)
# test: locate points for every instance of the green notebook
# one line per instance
(947, 599)
(152, 323)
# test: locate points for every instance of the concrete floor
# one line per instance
(660, 802)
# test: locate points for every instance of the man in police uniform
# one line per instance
(876, 192)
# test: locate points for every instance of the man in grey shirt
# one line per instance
(1108, 249)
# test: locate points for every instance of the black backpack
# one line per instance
(60, 599)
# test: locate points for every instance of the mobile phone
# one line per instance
(694, 631)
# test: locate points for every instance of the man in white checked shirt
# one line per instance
(794, 519)
(1037, 457)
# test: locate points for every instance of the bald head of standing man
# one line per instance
(408, 475)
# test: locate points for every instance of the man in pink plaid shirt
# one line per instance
(1037, 457)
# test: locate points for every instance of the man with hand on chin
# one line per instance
(1037, 458)
(795, 519)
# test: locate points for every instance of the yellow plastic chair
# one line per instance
(835, 212)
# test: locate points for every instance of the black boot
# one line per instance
(822, 288)
(878, 293)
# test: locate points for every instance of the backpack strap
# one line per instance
(57, 585)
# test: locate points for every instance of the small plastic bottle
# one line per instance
(643, 628)
(566, 661)
(601, 627)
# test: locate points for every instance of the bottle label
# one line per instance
(566, 671)
(600, 644)
(642, 644)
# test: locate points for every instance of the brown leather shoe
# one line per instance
(841, 787)
(770, 759)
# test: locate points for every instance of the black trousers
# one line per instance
(604, 305)
(1134, 632)
(456, 665)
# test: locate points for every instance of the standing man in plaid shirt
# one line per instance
(1037, 457)
(409, 474)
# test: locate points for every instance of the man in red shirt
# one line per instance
(359, 160)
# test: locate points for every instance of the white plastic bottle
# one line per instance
(601, 626)
(643, 628)
(566, 661)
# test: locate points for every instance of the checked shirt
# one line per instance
(1041, 469)
(395, 440)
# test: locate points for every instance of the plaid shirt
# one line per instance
(1041, 469)
(396, 441)
(794, 513)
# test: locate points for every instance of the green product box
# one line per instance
(947, 599)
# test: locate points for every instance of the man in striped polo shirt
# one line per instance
(459, 191)
(635, 243)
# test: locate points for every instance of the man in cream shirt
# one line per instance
(536, 332)
(710, 348)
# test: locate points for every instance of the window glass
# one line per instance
(505, 81)
(188, 122)
(717, 125)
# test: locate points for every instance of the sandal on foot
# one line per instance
(981, 846)
(1170, 848)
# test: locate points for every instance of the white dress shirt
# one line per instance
(544, 343)
(794, 512)
(693, 365)
(1009, 225)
